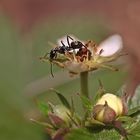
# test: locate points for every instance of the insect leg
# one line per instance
(69, 37)
(62, 43)
(55, 55)
(44, 57)
(51, 69)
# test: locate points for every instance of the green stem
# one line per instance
(84, 84)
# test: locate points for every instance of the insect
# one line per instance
(83, 54)
(69, 46)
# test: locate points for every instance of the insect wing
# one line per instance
(110, 46)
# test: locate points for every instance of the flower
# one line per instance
(104, 113)
(108, 107)
(79, 56)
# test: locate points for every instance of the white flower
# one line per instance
(89, 56)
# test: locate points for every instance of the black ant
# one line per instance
(63, 49)
(83, 53)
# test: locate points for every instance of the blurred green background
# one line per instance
(20, 66)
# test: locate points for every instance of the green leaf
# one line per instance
(133, 111)
(72, 106)
(79, 134)
(44, 108)
(135, 129)
(100, 92)
(62, 99)
(86, 102)
(84, 134)
(43, 124)
(133, 137)
(125, 119)
(93, 122)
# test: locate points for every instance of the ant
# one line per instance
(63, 49)
(83, 53)
(72, 46)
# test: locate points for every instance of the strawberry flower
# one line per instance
(80, 56)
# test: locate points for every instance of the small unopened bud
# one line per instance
(113, 101)
(62, 112)
(104, 113)
(109, 114)
(107, 108)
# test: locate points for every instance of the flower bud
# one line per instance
(104, 113)
(113, 101)
(107, 108)
(62, 112)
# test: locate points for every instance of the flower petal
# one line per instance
(110, 46)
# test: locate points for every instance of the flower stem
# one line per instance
(84, 84)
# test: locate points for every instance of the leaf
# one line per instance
(134, 111)
(73, 120)
(44, 108)
(133, 137)
(72, 106)
(125, 119)
(135, 129)
(62, 99)
(86, 102)
(100, 91)
(92, 122)
(43, 124)
(79, 134)
(84, 134)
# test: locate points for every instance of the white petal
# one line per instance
(110, 46)
(64, 40)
